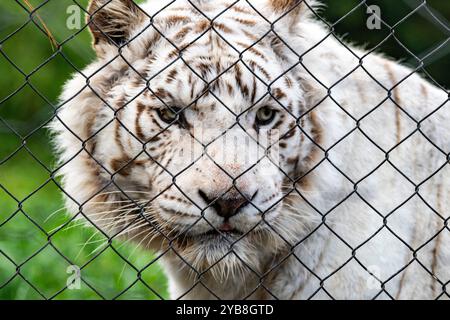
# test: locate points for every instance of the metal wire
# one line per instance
(432, 16)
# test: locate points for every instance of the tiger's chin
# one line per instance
(220, 255)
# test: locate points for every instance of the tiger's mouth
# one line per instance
(213, 236)
(214, 233)
(218, 234)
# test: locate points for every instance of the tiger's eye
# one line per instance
(265, 116)
(168, 115)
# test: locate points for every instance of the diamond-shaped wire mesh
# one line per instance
(345, 194)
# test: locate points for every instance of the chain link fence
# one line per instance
(50, 254)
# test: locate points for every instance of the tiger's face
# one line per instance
(195, 131)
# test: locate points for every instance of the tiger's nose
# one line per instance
(229, 204)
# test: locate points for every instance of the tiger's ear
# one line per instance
(291, 12)
(112, 21)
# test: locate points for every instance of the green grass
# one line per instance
(26, 221)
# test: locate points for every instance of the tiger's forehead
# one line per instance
(231, 22)
(208, 10)
(208, 76)
(221, 56)
(202, 57)
(201, 83)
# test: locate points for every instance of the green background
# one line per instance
(31, 77)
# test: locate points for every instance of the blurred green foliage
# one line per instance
(417, 30)
(31, 77)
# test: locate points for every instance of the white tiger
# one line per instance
(154, 140)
